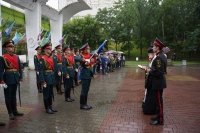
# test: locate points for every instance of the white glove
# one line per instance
(45, 85)
(37, 73)
(59, 73)
(87, 60)
(5, 86)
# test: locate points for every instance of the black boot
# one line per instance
(14, 108)
(2, 124)
(86, 102)
(83, 103)
(67, 96)
(39, 88)
(50, 105)
(10, 113)
(46, 104)
(70, 96)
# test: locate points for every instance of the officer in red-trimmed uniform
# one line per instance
(68, 72)
(46, 75)
(11, 76)
(37, 57)
(156, 72)
(86, 75)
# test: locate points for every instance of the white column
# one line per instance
(0, 32)
(56, 30)
(33, 26)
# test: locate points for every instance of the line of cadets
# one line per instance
(62, 67)
(50, 70)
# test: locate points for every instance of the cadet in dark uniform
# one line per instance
(148, 105)
(1, 85)
(77, 59)
(68, 73)
(11, 76)
(58, 74)
(46, 74)
(158, 81)
(86, 75)
(37, 57)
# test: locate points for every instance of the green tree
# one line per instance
(83, 30)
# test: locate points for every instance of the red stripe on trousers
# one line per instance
(160, 106)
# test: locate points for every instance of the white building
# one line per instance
(95, 4)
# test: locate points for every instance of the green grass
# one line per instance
(187, 62)
(135, 63)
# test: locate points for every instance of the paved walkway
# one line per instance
(116, 99)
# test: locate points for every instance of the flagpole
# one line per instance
(97, 50)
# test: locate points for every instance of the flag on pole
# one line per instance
(61, 41)
(39, 35)
(17, 38)
(23, 38)
(45, 39)
(48, 36)
(9, 28)
(100, 48)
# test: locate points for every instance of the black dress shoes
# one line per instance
(153, 118)
(2, 124)
(68, 100)
(49, 111)
(72, 99)
(16, 113)
(11, 117)
(85, 107)
(89, 106)
(52, 109)
(156, 122)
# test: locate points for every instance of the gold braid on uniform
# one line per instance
(8, 66)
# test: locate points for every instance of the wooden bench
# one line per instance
(169, 62)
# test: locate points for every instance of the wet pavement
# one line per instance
(116, 100)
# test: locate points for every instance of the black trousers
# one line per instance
(159, 105)
(48, 91)
(10, 92)
(85, 83)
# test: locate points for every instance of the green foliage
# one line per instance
(83, 30)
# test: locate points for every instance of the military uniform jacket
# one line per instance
(58, 60)
(86, 72)
(10, 69)
(156, 74)
(47, 69)
(68, 65)
(112, 60)
(37, 61)
(77, 60)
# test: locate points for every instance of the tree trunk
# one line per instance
(116, 45)
(129, 50)
(163, 32)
